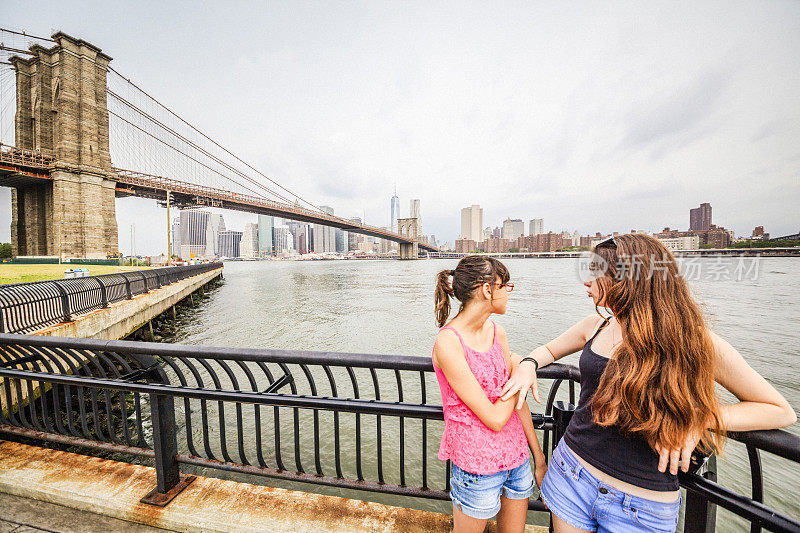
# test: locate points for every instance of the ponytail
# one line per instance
(444, 291)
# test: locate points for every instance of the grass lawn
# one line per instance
(19, 273)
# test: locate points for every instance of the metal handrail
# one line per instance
(234, 418)
(28, 307)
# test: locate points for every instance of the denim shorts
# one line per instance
(581, 500)
(478, 495)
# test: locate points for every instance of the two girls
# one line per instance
(485, 438)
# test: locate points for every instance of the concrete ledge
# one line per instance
(121, 319)
(114, 489)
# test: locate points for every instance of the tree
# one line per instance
(5, 249)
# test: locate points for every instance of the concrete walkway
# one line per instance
(23, 515)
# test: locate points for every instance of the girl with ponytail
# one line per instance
(484, 438)
(647, 394)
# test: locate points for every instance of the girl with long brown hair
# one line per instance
(647, 395)
(485, 440)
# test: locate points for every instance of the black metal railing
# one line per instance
(27, 307)
(355, 421)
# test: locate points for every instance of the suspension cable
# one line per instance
(111, 69)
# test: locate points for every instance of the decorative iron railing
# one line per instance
(356, 421)
(27, 307)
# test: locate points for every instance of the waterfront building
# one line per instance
(193, 229)
(513, 228)
(249, 245)
(576, 238)
(536, 226)
(688, 242)
(265, 225)
(340, 237)
(283, 241)
(394, 207)
(700, 218)
(324, 237)
(471, 223)
(229, 242)
(176, 237)
(466, 246)
(354, 239)
(495, 245)
(713, 237)
(759, 235)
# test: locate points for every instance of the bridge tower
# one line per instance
(61, 109)
(409, 228)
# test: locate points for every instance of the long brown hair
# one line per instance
(472, 272)
(659, 385)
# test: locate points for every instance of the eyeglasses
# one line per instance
(509, 286)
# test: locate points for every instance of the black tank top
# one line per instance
(629, 459)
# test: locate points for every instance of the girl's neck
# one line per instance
(472, 319)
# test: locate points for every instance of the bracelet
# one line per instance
(535, 362)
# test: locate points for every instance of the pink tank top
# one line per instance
(466, 440)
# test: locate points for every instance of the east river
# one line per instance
(386, 307)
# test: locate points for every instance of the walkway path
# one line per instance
(22, 515)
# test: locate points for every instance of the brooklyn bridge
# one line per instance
(84, 135)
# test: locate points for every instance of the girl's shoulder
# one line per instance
(448, 344)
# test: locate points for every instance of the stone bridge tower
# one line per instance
(409, 228)
(61, 109)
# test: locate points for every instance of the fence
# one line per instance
(27, 307)
(357, 421)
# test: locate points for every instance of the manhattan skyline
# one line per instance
(596, 119)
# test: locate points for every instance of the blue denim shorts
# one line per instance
(581, 500)
(478, 495)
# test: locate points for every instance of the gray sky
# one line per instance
(592, 116)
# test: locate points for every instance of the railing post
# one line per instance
(562, 414)
(700, 515)
(66, 315)
(128, 295)
(103, 294)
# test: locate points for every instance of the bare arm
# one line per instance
(760, 406)
(572, 340)
(449, 356)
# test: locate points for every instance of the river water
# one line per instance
(386, 307)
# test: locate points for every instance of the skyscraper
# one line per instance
(513, 228)
(265, 225)
(700, 218)
(229, 243)
(193, 228)
(537, 226)
(249, 245)
(176, 236)
(395, 210)
(324, 237)
(215, 224)
(472, 223)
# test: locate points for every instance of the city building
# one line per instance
(193, 228)
(497, 233)
(324, 237)
(249, 245)
(466, 246)
(354, 239)
(688, 242)
(513, 228)
(487, 233)
(495, 245)
(471, 223)
(265, 225)
(713, 237)
(700, 218)
(759, 235)
(176, 237)
(394, 207)
(340, 238)
(283, 241)
(229, 242)
(536, 226)
(215, 224)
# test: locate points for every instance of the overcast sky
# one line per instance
(593, 116)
